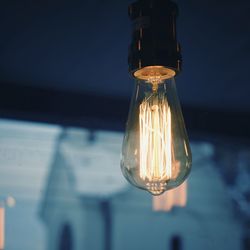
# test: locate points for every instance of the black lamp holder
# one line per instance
(154, 41)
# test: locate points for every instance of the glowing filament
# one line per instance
(155, 139)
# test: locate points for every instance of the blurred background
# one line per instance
(64, 100)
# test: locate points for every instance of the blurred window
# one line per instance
(246, 243)
(176, 243)
(66, 239)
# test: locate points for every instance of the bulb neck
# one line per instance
(154, 75)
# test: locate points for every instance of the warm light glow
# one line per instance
(2, 228)
(155, 139)
(156, 154)
(174, 197)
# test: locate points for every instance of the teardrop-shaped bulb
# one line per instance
(156, 154)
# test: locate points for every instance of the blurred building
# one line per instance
(88, 205)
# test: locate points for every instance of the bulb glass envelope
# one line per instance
(156, 155)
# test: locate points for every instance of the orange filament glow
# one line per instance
(155, 139)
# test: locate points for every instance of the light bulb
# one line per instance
(156, 155)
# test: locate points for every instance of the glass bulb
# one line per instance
(156, 155)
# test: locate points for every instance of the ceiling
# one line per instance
(82, 46)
